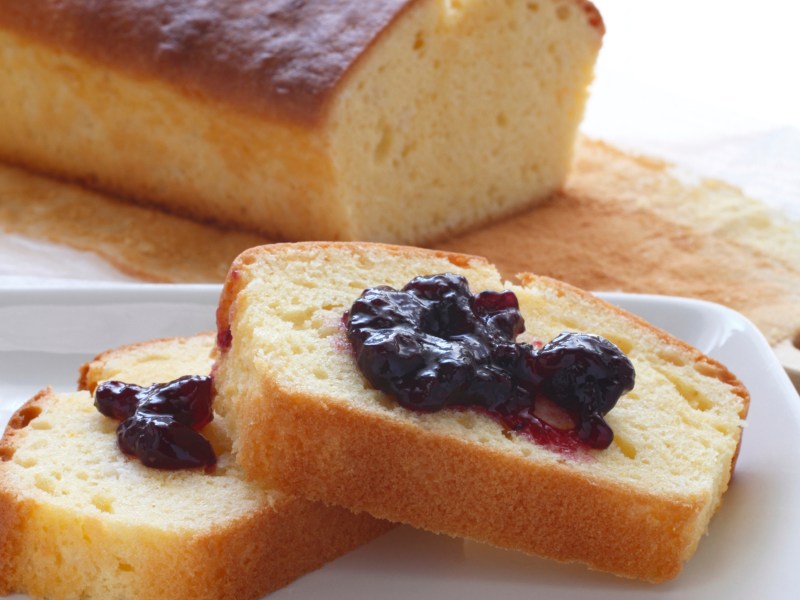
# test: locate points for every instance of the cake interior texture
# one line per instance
(300, 408)
(440, 115)
(79, 519)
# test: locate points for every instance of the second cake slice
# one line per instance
(79, 519)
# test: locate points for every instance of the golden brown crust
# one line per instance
(260, 553)
(594, 16)
(278, 58)
(12, 514)
(447, 485)
(19, 420)
(13, 509)
(274, 551)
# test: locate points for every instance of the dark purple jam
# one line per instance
(434, 345)
(161, 423)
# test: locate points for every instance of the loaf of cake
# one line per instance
(78, 519)
(304, 418)
(396, 121)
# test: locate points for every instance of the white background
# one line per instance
(711, 84)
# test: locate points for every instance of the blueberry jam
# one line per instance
(161, 423)
(434, 345)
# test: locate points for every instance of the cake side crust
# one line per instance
(444, 485)
(14, 511)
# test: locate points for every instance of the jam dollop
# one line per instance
(434, 345)
(161, 424)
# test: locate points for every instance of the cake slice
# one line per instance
(302, 120)
(78, 519)
(304, 418)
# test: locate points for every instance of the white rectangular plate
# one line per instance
(752, 550)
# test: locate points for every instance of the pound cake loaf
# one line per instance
(304, 418)
(400, 120)
(78, 519)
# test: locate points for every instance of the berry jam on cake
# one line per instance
(161, 424)
(434, 345)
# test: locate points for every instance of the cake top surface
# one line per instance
(287, 53)
(685, 410)
(273, 57)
